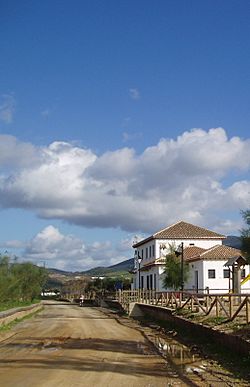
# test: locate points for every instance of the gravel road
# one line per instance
(65, 345)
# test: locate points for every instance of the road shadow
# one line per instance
(101, 365)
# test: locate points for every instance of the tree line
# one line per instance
(20, 282)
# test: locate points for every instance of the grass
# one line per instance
(196, 317)
(9, 326)
(16, 304)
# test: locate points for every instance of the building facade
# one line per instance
(202, 250)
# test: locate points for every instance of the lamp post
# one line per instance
(139, 259)
(178, 252)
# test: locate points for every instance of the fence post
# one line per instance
(119, 296)
(192, 303)
(180, 299)
(230, 306)
(247, 310)
(217, 307)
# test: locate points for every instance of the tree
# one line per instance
(29, 280)
(20, 281)
(172, 270)
(6, 279)
(245, 235)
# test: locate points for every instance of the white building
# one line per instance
(202, 250)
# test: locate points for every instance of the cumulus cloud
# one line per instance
(201, 177)
(67, 252)
(15, 154)
(7, 108)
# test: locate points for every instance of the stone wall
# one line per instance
(233, 343)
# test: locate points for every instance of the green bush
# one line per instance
(20, 282)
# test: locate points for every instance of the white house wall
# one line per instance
(203, 243)
(193, 283)
(151, 250)
(154, 271)
(219, 284)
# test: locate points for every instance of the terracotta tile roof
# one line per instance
(192, 252)
(218, 252)
(182, 230)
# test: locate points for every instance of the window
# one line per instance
(142, 282)
(141, 253)
(154, 281)
(150, 251)
(243, 273)
(226, 273)
(153, 250)
(151, 281)
(146, 252)
(211, 273)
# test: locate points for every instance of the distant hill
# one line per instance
(118, 269)
(60, 272)
(233, 241)
(124, 267)
(121, 268)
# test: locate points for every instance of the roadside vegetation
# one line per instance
(20, 283)
(111, 284)
(10, 325)
(99, 284)
(173, 272)
(245, 235)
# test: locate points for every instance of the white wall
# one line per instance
(220, 284)
(145, 274)
(191, 282)
(147, 251)
(150, 250)
(204, 243)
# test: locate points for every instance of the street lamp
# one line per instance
(139, 259)
(178, 252)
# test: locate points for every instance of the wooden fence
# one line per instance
(228, 306)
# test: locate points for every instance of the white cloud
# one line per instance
(12, 244)
(134, 93)
(7, 108)
(68, 252)
(201, 177)
(17, 155)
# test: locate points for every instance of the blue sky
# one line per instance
(119, 118)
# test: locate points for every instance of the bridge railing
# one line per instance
(227, 305)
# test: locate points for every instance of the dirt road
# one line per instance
(65, 345)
